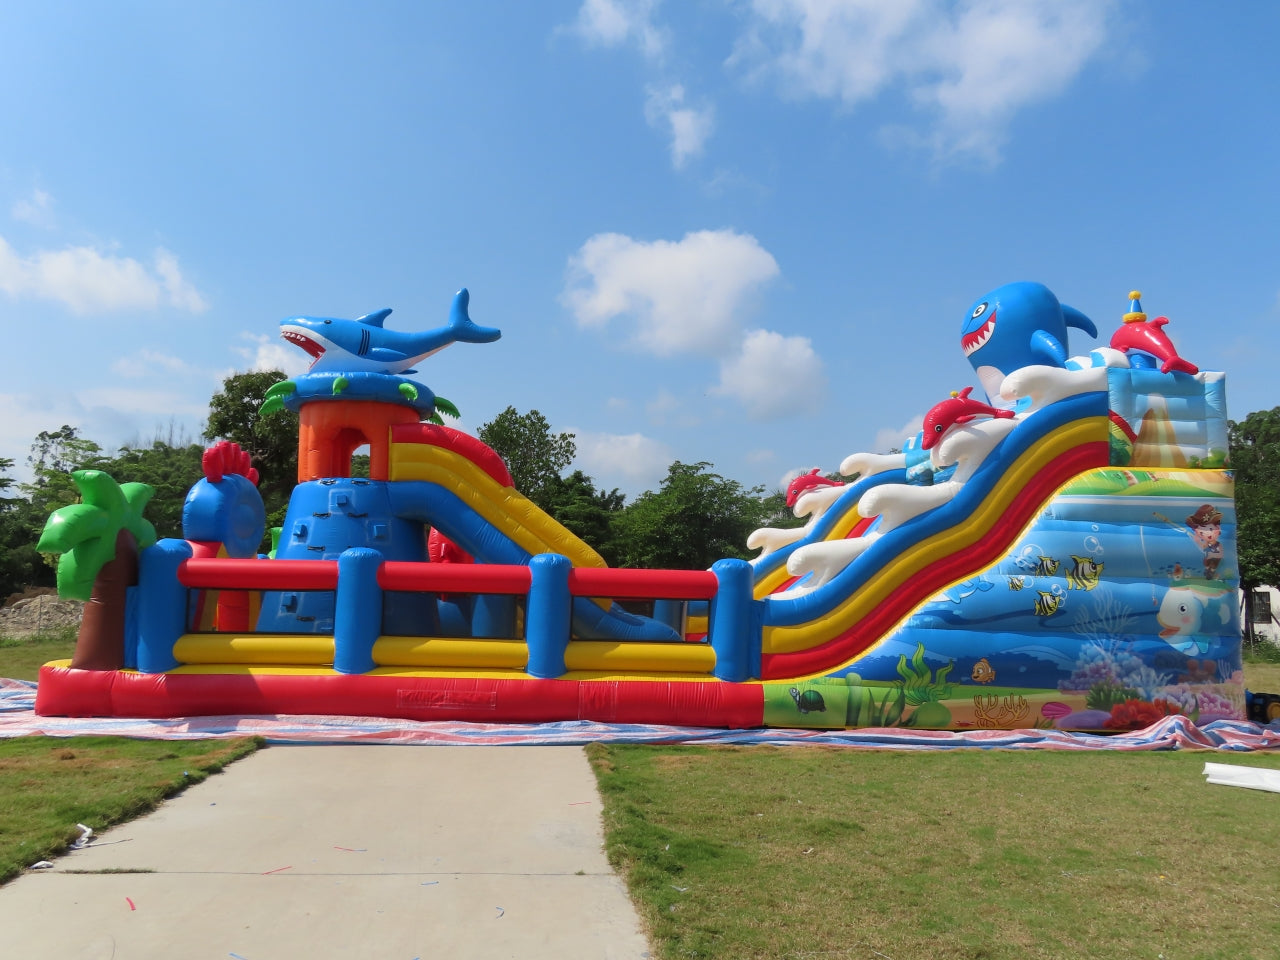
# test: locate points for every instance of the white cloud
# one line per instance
(86, 280)
(36, 209)
(843, 49)
(663, 404)
(266, 353)
(688, 126)
(687, 295)
(888, 438)
(632, 462)
(611, 23)
(110, 417)
(143, 363)
(180, 293)
(143, 405)
(774, 376)
(971, 65)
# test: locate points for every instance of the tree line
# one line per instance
(694, 518)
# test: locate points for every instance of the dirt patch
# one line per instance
(39, 614)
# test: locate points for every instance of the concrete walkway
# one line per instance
(393, 853)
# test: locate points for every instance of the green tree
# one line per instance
(20, 562)
(534, 455)
(1255, 457)
(586, 512)
(271, 440)
(694, 519)
(55, 455)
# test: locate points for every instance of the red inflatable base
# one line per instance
(63, 692)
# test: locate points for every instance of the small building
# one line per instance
(1262, 614)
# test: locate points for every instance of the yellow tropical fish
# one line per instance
(983, 672)
(1047, 567)
(1047, 604)
(1085, 573)
(1017, 583)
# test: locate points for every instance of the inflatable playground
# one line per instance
(1058, 556)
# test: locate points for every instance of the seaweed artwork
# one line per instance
(919, 683)
(863, 710)
(991, 712)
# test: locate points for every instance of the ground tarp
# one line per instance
(18, 719)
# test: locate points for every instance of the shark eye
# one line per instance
(328, 321)
(979, 310)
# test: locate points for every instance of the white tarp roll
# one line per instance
(1252, 778)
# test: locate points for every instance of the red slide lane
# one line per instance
(945, 570)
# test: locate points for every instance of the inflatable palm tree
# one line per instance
(99, 539)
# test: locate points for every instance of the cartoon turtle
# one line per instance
(810, 701)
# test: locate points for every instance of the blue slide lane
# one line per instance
(906, 537)
(438, 507)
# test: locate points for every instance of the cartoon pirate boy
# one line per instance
(1206, 531)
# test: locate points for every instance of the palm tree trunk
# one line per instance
(100, 642)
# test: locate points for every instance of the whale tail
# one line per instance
(461, 327)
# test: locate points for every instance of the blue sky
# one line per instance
(737, 232)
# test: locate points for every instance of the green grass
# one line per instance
(837, 853)
(22, 657)
(49, 785)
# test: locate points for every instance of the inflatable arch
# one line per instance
(1061, 555)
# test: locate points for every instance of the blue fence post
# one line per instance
(161, 603)
(357, 614)
(733, 625)
(547, 615)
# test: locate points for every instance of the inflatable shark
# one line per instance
(350, 346)
(1014, 326)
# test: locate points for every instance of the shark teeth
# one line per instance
(972, 342)
(306, 343)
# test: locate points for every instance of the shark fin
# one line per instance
(1046, 346)
(1074, 318)
(385, 355)
(375, 319)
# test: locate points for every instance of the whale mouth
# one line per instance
(972, 342)
(313, 347)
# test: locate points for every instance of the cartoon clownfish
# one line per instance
(983, 672)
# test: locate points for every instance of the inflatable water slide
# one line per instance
(1061, 556)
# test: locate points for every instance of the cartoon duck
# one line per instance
(983, 672)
